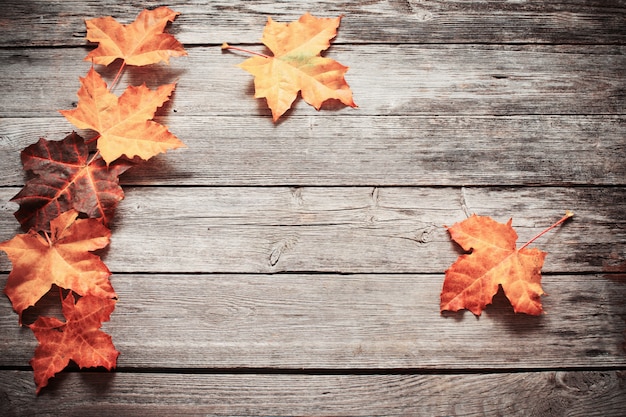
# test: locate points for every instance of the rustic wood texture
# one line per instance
(379, 151)
(372, 21)
(536, 394)
(295, 268)
(426, 80)
(348, 230)
(344, 322)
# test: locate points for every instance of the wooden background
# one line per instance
(295, 268)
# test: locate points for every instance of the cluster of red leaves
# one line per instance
(68, 203)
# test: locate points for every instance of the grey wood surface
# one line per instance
(429, 80)
(295, 268)
(367, 21)
(521, 394)
(347, 229)
(345, 322)
(380, 150)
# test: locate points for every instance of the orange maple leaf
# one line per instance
(62, 258)
(67, 177)
(140, 43)
(124, 124)
(78, 338)
(297, 65)
(473, 280)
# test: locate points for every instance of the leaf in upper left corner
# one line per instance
(140, 43)
(79, 338)
(63, 258)
(125, 124)
(67, 177)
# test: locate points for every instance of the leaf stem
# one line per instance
(117, 76)
(226, 46)
(568, 214)
(45, 234)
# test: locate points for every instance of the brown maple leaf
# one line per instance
(62, 258)
(140, 43)
(78, 338)
(124, 124)
(473, 280)
(67, 177)
(297, 65)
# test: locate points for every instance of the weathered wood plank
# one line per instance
(352, 150)
(40, 22)
(327, 321)
(386, 80)
(551, 393)
(345, 229)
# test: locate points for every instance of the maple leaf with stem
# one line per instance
(62, 258)
(79, 338)
(124, 123)
(140, 43)
(67, 177)
(297, 65)
(473, 280)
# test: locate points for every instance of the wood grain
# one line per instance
(295, 268)
(390, 80)
(335, 322)
(345, 229)
(557, 393)
(42, 23)
(353, 150)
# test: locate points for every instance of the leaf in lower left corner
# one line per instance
(79, 338)
(63, 258)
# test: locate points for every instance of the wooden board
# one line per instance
(388, 80)
(513, 394)
(378, 151)
(348, 230)
(376, 21)
(342, 322)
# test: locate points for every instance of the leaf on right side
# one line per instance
(473, 280)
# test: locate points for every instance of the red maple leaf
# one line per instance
(63, 258)
(473, 280)
(78, 338)
(67, 177)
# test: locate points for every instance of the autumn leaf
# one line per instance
(62, 258)
(140, 43)
(124, 124)
(297, 65)
(67, 177)
(78, 338)
(473, 280)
